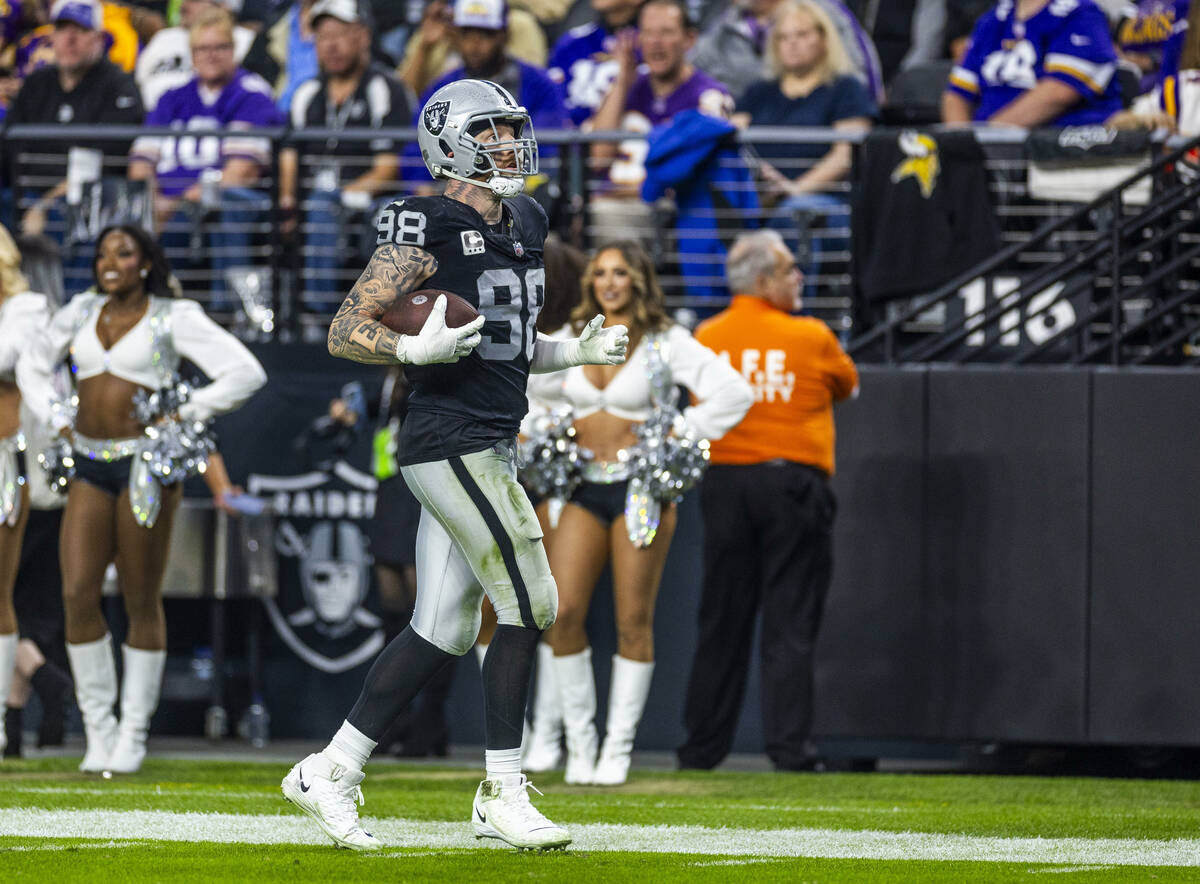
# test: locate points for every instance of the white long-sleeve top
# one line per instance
(723, 395)
(234, 372)
(22, 318)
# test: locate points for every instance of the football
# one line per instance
(408, 314)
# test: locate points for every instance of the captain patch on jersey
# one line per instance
(1067, 40)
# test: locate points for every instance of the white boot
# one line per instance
(626, 700)
(140, 687)
(8, 661)
(543, 749)
(95, 674)
(577, 694)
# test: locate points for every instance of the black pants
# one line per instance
(768, 544)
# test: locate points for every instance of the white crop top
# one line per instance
(22, 318)
(233, 370)
(724, 396)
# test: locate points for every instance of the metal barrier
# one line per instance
(275, 275)
(1111, 281)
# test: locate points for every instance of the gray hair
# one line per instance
(751, 256)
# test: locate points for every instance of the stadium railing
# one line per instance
(275, 277)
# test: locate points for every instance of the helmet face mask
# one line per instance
(449, 130)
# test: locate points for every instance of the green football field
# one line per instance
(216, 821)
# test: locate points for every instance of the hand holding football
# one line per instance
(408, 313)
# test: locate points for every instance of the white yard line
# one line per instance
(292, 828)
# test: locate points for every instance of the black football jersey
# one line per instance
(466, 406)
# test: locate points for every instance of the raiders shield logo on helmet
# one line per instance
(435, 116)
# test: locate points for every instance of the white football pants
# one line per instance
(478, 535)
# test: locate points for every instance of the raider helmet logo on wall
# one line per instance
(435, 116)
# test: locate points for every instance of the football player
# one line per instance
(478, 533)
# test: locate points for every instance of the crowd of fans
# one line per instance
(601, 65)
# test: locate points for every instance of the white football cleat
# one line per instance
(505, 812)
(330, 794)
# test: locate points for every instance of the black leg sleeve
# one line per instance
(506, 673)
(400, 670)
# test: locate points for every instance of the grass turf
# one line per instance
(208, 862)
(1003, 807)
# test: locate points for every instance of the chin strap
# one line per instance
(502, 186)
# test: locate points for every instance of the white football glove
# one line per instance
(436, 343)
(602, 346)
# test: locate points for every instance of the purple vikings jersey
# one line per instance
(644, 111)
(581, 62)
(1067, 40)
(245, 103)
(1156, 24)
(34, 51)
(1173, 48)
(700, 92)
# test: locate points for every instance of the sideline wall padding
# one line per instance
(1145, 650)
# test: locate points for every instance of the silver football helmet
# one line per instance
(448, 131)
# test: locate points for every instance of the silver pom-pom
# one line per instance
(668, 459)
(58, 463)
(666, 463)
(553, 460)
(172, 448)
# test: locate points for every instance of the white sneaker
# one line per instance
(329, 793)
(505, 812)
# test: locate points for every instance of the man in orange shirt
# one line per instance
(768, 511)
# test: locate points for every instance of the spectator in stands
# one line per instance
(433, 49)
(193, 174)
(481, 34)
(81, 87)
(1144, 33)
(122, 25)
(1036, 63)
(637, 102)
(284, 53)
(914, 95)
(811, 86)
(1174, 104)
(582, 60)
(166, 62)
(906, 32)
(733, 47)
(338, 186)
(768, 511)
(620, 283)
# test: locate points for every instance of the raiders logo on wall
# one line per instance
(324, 565)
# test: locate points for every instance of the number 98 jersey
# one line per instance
(468, 406)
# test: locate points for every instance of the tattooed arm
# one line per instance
(356, 332)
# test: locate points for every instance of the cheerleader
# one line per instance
(607, 402)
(125, 336)
(22, 315)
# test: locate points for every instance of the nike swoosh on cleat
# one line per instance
(303, 788)
(479, 813)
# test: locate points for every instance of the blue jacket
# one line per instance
(696, 156)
